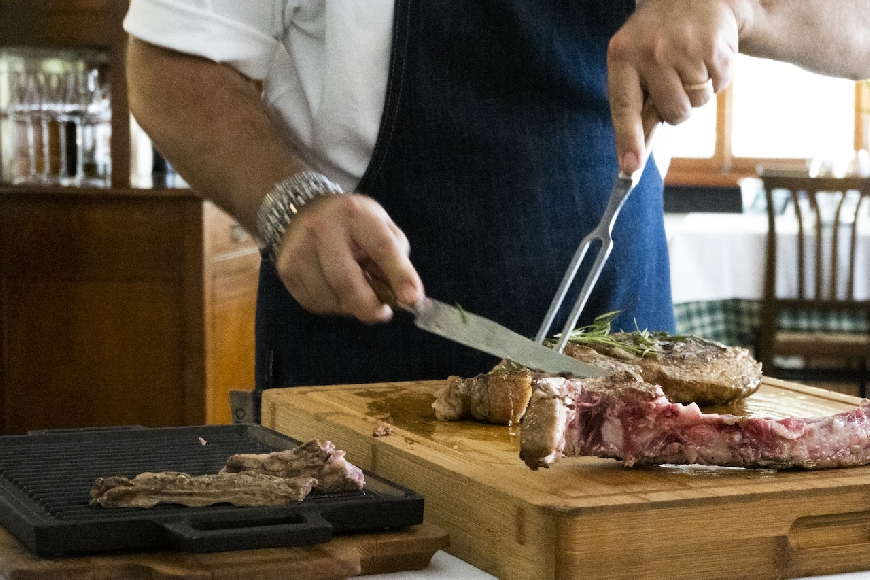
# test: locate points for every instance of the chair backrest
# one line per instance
(827, 213)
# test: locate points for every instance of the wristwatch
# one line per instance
(284, 201)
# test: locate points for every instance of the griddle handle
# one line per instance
(297, 528)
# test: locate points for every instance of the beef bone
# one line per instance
(623, 417)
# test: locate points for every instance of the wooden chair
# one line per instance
(823, 207)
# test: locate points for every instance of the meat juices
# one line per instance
(623, 417)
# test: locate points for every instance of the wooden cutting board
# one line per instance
(342, 557)
(589, 517)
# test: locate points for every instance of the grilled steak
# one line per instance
(266, 479)
(319, 460)
(242, 489)
(625, 418)
(688, 369)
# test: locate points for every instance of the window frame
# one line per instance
(724, 169)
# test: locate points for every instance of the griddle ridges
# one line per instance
(59, 475)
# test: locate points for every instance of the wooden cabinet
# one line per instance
(121, 307)
(117, 306)
(231, 274)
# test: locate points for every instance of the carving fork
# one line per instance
(602, 233)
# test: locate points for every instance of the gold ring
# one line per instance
(705, 86)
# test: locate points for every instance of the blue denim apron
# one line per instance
(495, 156)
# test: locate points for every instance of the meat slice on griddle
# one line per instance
(626, 418)
(149, 489)
(320, 460)
(266, 479)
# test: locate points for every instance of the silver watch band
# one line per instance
(284, 201)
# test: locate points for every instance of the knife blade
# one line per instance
(488, 336)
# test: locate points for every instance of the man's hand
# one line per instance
(666, 52)
(332, 249)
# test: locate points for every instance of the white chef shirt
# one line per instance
(324, 65)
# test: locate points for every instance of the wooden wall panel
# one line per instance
(102, 309)
(85, 354)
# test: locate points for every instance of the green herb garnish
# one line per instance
(462, 315)
(640, 343)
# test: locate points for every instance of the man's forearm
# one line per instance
(826, 36)
(209, 121)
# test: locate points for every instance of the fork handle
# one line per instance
(650, 120)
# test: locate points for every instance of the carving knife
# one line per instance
(480, 333)
(485, 335)
(454, 323)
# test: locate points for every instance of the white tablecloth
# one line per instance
(717, 256)
(442, 567)
(447, 567)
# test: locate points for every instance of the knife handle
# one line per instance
(383, 291)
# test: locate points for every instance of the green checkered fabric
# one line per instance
(735, 321)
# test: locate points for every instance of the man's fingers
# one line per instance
(332, 247)
(699, 93)
(667, 53)
(626, 100)
(387, 249)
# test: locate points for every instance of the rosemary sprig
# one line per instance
(462, 315)
(641, 343)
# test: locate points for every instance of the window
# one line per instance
(775, 115)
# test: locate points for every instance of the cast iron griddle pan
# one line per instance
(46, 476)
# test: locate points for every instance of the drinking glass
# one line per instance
(53, 133)
(31, 105)
(97, 131)
(18, 121)
(74, 109)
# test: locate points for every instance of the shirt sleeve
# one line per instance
(241, 34)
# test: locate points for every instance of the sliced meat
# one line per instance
(499, 396)
(267, 479)
(623, 417)
(149, 489)
(316, 459)
(688, 369)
